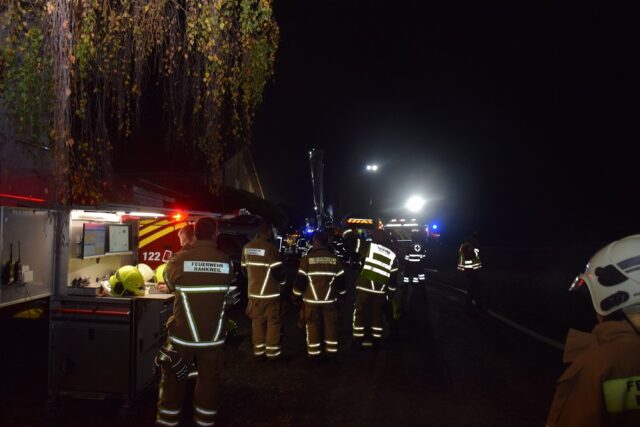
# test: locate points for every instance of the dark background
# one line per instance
(516, 119)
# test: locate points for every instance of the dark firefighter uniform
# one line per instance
(199, 275)
(377, 279)
(469, 263)
(414, 264)
(601, 387)
(262, 263)
(320, 280)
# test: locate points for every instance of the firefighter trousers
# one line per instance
(367, 317)
(266, 326)
(321, 318)
(205, 396)
(475, 289)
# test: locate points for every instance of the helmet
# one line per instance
(159, 274)
(146, 271)
(613, 276)
(127, 281)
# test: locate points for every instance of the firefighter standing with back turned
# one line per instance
(376, 283)
(320, 280)
(199, 275)
(469, 263)
(601, 386)
(262, 265)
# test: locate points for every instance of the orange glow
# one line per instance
(178, 216)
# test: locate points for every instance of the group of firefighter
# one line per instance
(200, 275)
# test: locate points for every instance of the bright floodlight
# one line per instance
(415, 203)
(372, 168)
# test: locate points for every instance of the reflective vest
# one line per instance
(469, 257)
(379, 263)
(321, 269)
(259, 256)
(200, 276)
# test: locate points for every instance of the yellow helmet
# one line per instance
(127, 281)
(159, 274)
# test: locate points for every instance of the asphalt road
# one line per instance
(445, 368)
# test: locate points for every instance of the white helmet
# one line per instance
(613, 276)
(146, 271)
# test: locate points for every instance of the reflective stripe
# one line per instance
(216, 337)
(258, 353)
(377, 270)
(177, 340)
(358, 328)
(376, 335)
(190, 321)
(314, 352)
(313, 345)
(375, 328)
(275, 264)
(339, 273)
(315, 301)
(205, 412)
(313, 289)
(358, 335)
(204, 423)
(322, 273)
(274, 355)
(273, 348)
(202, 289)
(622, 394)
(331, 342)
(264, 296)
(296, 292)
(257, 264)
(167, 423)
(266, 279)
(259, 345)
(332, 350)
(326, 298)
(369, 290)
(377, 262)
(169, 411)
(302, 272)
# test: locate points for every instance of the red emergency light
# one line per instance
(179, 216)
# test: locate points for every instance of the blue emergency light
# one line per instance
(434, 226)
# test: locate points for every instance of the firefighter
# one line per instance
(413, 276)
(199, 276)
(262, 265)
(601, 386)
(374, 286)
(186, 235)
(469, 263)
(320, 281)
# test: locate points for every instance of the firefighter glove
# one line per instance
(173, 362)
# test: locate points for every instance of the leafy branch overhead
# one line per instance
(77, 72)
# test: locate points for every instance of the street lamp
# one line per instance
(415, 203)
(372, 169)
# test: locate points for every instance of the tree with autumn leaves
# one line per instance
(74, 75)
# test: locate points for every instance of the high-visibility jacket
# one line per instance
(601, 387)
(379, 269)
(320, 277)
(200, 275)
(469, 257)
(263, 264)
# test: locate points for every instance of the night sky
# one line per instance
(516, 119)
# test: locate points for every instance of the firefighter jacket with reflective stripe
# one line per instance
(263, 265)
(379, 264)
(320, 277)
(469, 257)
(601, 387)
(415, 254)
(200, 276)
